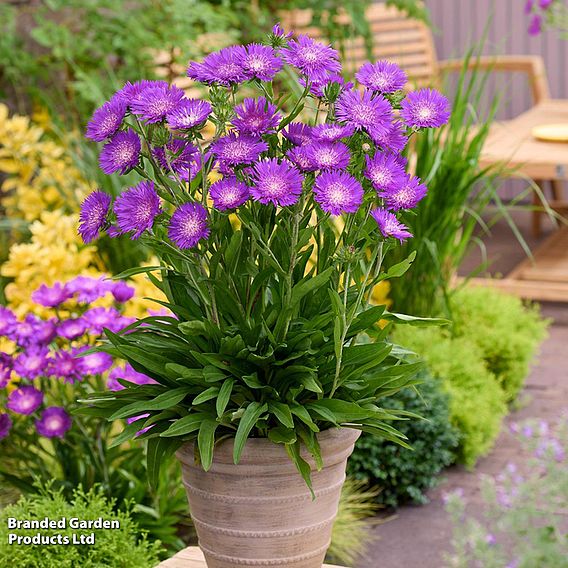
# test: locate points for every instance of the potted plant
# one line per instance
(271, 237)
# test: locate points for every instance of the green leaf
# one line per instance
(185, 425)
(158, 451)
(398, 270)
(415, 320)
(247, 422)
(137, 270)
(339, 411)
(304, 416)
(206, 442)
(128, 433)
(224, 396)
(308, 285)
(301, 464)
(282, 435)
(161, 402)
(206, 395)
(282, 413)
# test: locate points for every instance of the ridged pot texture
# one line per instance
(260, 512)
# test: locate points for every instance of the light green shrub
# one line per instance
(507, 332)
(125, 547)
(352, 528)
(477, 402)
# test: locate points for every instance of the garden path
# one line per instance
(417, 536)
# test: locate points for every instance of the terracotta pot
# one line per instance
(260, 512)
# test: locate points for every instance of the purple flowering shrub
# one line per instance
(268, 270)
(523, 521)
(546, 14)
(47, 370)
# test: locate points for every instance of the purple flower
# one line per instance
(45, 331)
(313, 59)
(72, 328)
(121, 291)
(32, 331)
(88, 289)
(332, 132)
(300, 158)
(179, 157)
(95, 363)
(490, 539)
(65, 365)
(425, 108)
(229, 193)
(31, 363)
(389, 225)
(5, 425)
(106, 120)
(54, 422)
(276, 182)
(7, 321)
(365, 112)
(394, 139)
(117, 325)
(382, 77)
(545, 4)
(235, 150)
(128, 374)
(154, 103)
(256, 117)
(24, 400)
(93, 215)
(279, 32)
(99, 318)
(225, 67)
(260, 62)
(140, 417)
(298, 133)
(385, 171)
(188, 225)
(50, 297)
(131, 91)
(529, 6)
(318, 88)
(328, 155)
(535, 25)
(6, 364)
(136, 209)
(405, 196)
(338, 192)
(121, 154)
(188, 114)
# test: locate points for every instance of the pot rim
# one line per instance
(333, 442)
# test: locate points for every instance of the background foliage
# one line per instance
(403, 475)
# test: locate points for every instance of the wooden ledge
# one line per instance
(192, 557)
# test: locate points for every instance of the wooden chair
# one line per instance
(410, 43)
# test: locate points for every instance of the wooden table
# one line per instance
(192, 557)
(511, 143)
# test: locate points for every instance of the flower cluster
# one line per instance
(46, 354)
(345, 161)
(539, 11)
(520, 523)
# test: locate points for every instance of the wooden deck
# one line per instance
(543, 278)
(192, 557)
